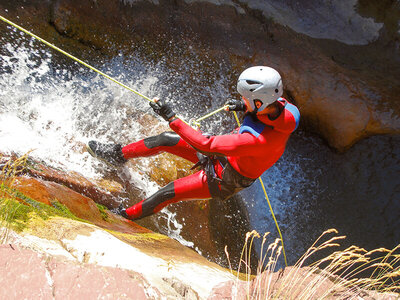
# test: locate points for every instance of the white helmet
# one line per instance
(260, 86)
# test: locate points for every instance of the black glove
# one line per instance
(235, 105)
(162, 109)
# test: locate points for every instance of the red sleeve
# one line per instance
(227, 145)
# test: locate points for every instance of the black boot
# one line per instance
(122, 211)
(110, 153)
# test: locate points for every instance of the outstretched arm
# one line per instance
(227, 145)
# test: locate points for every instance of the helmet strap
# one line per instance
(253, 115)
(278, 111)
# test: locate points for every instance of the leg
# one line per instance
(188, 188)
(116, 155)
(165, 142)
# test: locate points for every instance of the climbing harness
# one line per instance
(192, 122)
(231, 181)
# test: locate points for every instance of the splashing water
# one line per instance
(55, 109)
(55, 112)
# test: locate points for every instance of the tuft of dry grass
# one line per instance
(10, 169)
(340, 275)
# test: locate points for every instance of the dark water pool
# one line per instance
(312, 189)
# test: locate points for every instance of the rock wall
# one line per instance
(29, 274)
(346, 89)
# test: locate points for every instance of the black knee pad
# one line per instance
(164, 194)
(168, 138)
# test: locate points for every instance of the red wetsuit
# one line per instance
(236, 159)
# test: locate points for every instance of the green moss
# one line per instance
(13, 213)
(63, 211)
(17, 216)
(103, 212)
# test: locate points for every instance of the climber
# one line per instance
(229, 163)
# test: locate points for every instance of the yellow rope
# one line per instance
(269, 203)
(211, 113)
(197, 122)
(73, 57)
(236, 117)
(273, 216)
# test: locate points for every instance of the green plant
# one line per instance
(103, 211)
(8, 205)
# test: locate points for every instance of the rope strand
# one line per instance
(94, 69)
(73, 57)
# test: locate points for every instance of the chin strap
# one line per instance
(253, 115)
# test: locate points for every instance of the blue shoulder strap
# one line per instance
(295, 112)
(249, 125)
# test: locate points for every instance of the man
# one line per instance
(229, 163)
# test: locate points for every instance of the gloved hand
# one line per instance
(162, 109)
(235, 105)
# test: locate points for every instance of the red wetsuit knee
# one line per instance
(188, 188)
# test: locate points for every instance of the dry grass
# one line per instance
(340, 275)
(10, 168)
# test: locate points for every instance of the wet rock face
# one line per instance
(85, 208)
(334, 20)
(343, 72)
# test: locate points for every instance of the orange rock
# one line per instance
(104, 192)
(167, 167)
(194, 216)
(48, 192)
(81, 206)
(33, 189)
